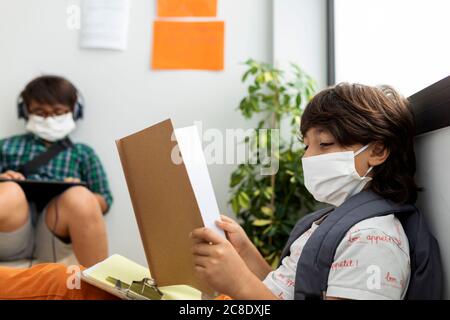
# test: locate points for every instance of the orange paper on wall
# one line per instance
(188, 45)
(187, 8)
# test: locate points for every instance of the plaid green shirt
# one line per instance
(80, 162)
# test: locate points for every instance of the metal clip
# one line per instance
(145, 289)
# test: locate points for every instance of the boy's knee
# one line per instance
(81, 203)
(13, 205)
(12, 193)
(78, 196)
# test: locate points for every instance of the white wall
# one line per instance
(401, 43)
(122, 94)
(300, 36)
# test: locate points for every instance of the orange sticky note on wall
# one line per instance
(187, 8)
(188, 45)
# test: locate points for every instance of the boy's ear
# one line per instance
(378, 154)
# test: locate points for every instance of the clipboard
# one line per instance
(42, 192)
(128, 280)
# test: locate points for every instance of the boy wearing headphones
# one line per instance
(71, 221)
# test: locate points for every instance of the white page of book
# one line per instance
(193, 157)
(104, 24)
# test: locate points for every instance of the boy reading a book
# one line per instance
(359, 145)
(71, 221)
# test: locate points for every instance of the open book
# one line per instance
(172, 194)
(116, 274)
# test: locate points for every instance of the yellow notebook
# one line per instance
(117, 273)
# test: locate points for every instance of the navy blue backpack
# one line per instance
(318, 254)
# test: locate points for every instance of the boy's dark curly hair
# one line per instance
(355, 113)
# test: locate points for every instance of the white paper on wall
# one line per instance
(104, 24)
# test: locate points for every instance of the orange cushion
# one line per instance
(46, 282)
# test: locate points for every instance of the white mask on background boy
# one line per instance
(51, 128)
(332, 178)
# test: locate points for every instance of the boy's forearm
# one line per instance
(254, 289)
(255, 261)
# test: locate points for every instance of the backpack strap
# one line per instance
(44, 158)
(301, 227)
(318, 254)
(426, 280)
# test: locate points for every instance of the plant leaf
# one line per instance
(261, 222)
(244, 200)
(267, 211)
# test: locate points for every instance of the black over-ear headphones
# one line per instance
(78, 108)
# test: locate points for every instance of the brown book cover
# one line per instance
(164, 204)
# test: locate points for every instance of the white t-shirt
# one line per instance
(371, 262)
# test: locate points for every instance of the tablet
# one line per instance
(42, 192)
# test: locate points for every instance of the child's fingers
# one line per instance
(195, 240)
(226, 226)
(8, 175)
(20, 176)
(201, 249)
(206, 235)
(14, 175)
(200, 270)
(200, 261)
(226, 219)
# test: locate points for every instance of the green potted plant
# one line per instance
(268, 206)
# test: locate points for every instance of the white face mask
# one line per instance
(51, 128)
(332, 178)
